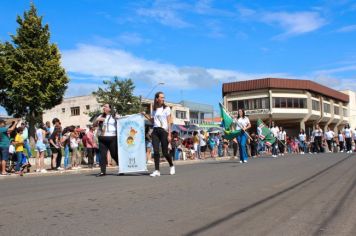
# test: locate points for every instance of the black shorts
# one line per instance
(203, 148)
(55, 150)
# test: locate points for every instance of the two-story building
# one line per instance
(293, 104)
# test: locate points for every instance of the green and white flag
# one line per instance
(264, 133)
(226, 122)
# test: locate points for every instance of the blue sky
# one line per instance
(195, 46)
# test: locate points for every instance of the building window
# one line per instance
(336, 110)
(181, 114)
(326, 108)
(345, 112)
(63, 110)
(289, 102)
(253, 104)
(75, 111)
(193, 115)
(315, 105)
(283, 102)
(232, 106)
(87, 107)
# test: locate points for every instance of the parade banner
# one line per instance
(131, 144)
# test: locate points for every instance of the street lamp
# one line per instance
(146, 97)
(160, 83)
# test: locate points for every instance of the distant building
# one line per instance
(293, 104)
(199, 112)
(75, 111)
(351, 107)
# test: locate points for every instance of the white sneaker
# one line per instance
(59, 168)
(38, 170)
(172, 170)
(150, 162)
(240, 161)
(43, 171)
(155, 173)
(245, 161)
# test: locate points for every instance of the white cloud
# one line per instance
(348, 28)
(294, 23)
(98, 63)
(89, 65)
(245, 12)
(126, 38)
(166, 13)
(336, 70)
(80, 88)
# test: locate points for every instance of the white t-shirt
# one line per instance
(318, 133)
(109, 126)
(341, 138)
(347, 133)
(160, 117)
(282, 135)
(242, 122)
(202, 142)
(74, 143)
(12, 149)
(302, 137)
(329, 135)
(39, 135)
(275, 131)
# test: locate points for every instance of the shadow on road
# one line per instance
(264, 200)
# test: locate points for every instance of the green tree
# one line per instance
(119, 94)
(32, 78)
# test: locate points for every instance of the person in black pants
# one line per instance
(318, 136)
(161, 119)
(107, 137)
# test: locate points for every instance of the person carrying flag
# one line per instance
(243, 123)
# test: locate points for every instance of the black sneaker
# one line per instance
(100, 174)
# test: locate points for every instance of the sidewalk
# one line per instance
(85, 169)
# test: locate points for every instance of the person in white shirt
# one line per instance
(348, 138)
(354, 136)
(302, 141)
(107, 137)
(161, 135)
(40, 149)
(202, 143)
(282, 140)
(341, 140)
(274, 130)
(329, 137)
(318, 136)
(243, 123)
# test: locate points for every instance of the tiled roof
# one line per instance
(279, 83)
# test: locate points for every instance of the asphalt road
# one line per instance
(295, 195)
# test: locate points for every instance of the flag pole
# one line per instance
(235, 119)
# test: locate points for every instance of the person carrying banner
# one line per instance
(242, 122)
(161, 134)
(107, 137)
